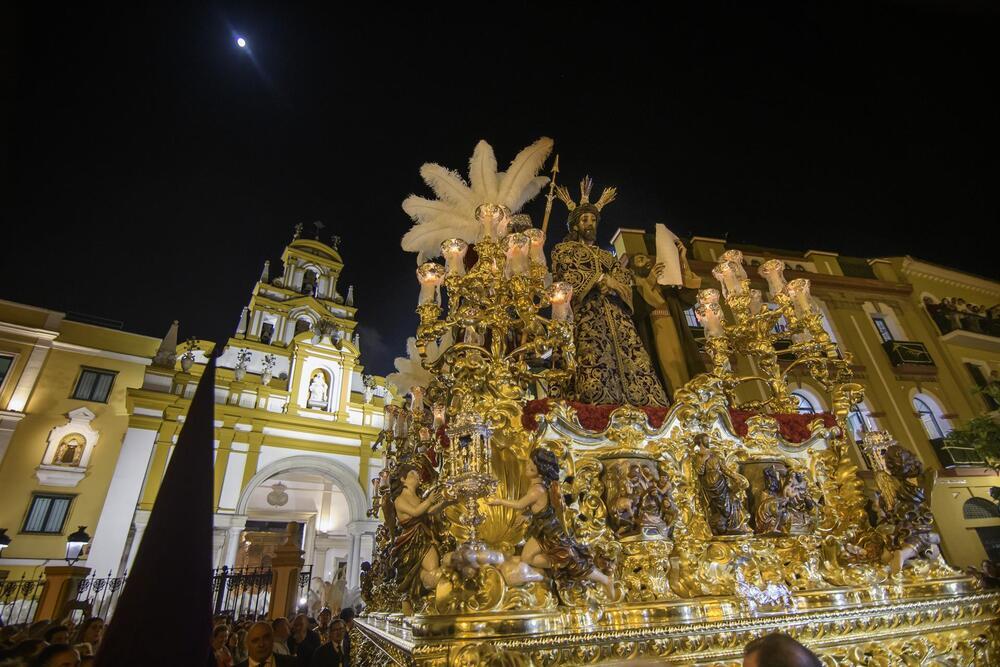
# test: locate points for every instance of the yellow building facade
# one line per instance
(295, 419)
(918, 380)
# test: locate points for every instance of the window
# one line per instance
(931, 421)
(302, 325)
(94, 385)
(692, 319)
(857, 423)
(6, 361)
(805, 405)
(46, 514)
(883, 329)
(980, 508)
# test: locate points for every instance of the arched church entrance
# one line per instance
(324, 499)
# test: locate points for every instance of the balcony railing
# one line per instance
(903, 352)
(948, 320)
(951, 457)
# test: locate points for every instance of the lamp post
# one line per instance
(75, 544)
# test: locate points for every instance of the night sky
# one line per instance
(152, 166)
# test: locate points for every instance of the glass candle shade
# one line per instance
(430, 276)
(560, 295)
(798, 291)
(756, 301)
(504, 223)
(736, 257)
(710, 317)
(728, 275)
(516, 246)
(709, 295)
(489, 215)
(439, 413)
(416, 399)
(473, 337)
(536, 238)
(773, 271)
(453, 251)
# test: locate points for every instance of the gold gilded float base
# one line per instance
(942, 622)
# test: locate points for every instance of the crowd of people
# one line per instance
(957, 313)
(300, 642)
(49, 643)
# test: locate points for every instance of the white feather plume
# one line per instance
(452, 214)
(483, 172)
(521, 172)
(409, 372)
(449, 186)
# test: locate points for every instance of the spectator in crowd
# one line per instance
(57, 655)
(336, 652)
(25, 650)
(260, 648)
(303, 641)
(237, 644)
(88, 636)
(57, 634)
(282, 631)
(220, 636)
(778, 650)
(323, 628)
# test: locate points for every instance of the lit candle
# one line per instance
(560, 295)
(798, 291)
(430, 276)
(773, 271)
(710, 317)
(756, 301)
(736, 257)
(727, 273)
(489, 215)
(416, 399)
(709, 295)
(454, 251)
(439, 412)
(537, 239)
(516, 246)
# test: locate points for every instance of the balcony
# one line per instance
(953, 457)
(908, 354)
(966, 329)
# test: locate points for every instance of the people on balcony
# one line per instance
(956, 313)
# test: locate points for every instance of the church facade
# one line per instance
(295, 419)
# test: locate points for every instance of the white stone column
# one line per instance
(139, 522)
(309, 544)
(352, 563)
(355, 530)
(218, 540)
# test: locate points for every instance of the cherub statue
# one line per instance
(905, 505)
(725, 493)
(549, 546)
(414, 553)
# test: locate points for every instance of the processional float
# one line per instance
(522, 528)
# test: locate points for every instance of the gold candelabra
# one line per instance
(752, 332)
(500, 345)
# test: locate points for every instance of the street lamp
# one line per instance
(4, 540)
(75, 544)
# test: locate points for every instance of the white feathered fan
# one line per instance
(409, 373)
(452, 214)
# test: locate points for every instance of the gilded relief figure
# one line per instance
(548, 545)
(638, 501)
(414, 556)
(725, 493)
(770, 516)
(612, 365)
(800, 508)
(660, 321)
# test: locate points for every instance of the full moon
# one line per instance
(242, 43)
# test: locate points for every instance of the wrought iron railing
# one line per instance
(97, 596)
(951, 456)
(19, 599)
(246, 592)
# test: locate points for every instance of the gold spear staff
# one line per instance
(551, 195)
